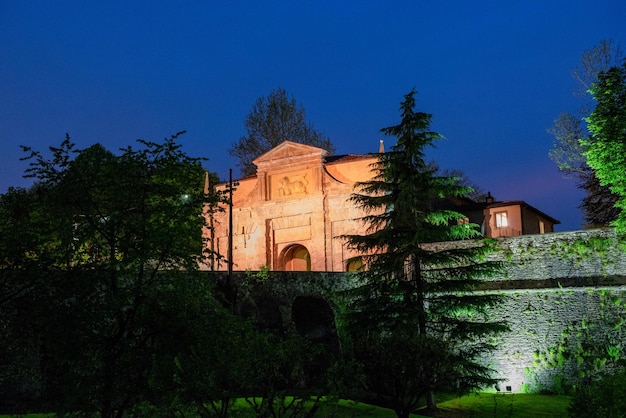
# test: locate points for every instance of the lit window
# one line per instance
(463, 221)
(501, 220)
(542, 227)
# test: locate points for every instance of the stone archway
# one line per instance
(314, 319)
(264, 311)
(296, 258)
(268, 315)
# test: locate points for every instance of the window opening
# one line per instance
(501, 220)
(355, 265)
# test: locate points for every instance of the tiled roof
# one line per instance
(334, 159)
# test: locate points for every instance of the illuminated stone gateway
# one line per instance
(291, 214)
(565, 290)
(566, 306)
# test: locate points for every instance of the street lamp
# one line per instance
(230, 186)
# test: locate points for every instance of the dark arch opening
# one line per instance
(314, 319)
(265, 312)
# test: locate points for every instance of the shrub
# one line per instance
(601, 398)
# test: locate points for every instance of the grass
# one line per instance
(480, 405)
(342, 408)
(497, 405)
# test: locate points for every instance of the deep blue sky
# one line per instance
(493, 73)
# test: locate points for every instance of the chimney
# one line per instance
(489, 198)
(381, 147)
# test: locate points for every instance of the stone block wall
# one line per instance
(559, 337)
(565, 304)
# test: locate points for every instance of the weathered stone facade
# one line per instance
(566, 307)
(292, 213)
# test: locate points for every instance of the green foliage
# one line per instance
(272, 120)
(261, 275)
(473, 405)
(606, 148)
(20, 283)
(567, 151)
(102, 273)
(592, 246)
(598, 205)
(400, 369)
(210, 371)
(411, 293)
(588, 348)
(291, 376)
(603, 397)
(583, 250)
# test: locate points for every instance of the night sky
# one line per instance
(494, 74)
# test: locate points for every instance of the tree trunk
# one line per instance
(431, 403)
(107, 392)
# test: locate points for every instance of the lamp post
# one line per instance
(231, 283)
(230, 226)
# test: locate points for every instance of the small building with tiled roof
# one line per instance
(506, 218)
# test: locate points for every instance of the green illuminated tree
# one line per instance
(598, 205)
(605, 149)
(416, 325)
(272, 120)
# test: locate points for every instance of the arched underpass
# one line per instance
(314, 319)
(556, 285)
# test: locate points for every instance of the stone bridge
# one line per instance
(565, 305)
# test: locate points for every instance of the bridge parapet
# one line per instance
(563, 259)
(565, 305)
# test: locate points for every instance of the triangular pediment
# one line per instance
(289, 150)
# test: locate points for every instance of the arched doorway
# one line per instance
(297, 258)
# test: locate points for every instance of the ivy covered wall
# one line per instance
(560, 337)
(566, 306)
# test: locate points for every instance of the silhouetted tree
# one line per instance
(21, 283)
(116, 237)
(272, 120)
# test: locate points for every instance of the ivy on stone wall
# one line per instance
(584, 249)
(588, 348)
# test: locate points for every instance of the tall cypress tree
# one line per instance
(417, 325)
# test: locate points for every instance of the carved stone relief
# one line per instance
(289, 185)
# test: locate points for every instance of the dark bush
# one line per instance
(601, 398)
